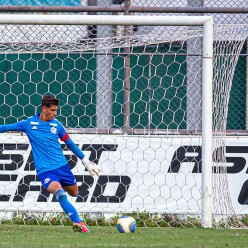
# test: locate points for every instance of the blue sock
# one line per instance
(67, 206)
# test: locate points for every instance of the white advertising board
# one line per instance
(138, 173)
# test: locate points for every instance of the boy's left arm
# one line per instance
(91, 166)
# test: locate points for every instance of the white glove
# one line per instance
(91, 167)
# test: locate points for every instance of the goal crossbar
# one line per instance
(105, 20)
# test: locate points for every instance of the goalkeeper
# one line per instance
(43, 131)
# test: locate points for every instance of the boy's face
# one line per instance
(49, 113)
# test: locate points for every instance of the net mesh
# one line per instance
(228, 44)
(132, 103)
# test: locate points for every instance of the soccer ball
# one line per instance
(126, 224)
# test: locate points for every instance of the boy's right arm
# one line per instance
(19, 126)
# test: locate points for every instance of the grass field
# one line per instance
(61, 236)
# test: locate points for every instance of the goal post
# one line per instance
(82, 64)
(207, 93)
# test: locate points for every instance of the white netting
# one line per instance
(229, 41)
(54, 39)
(133, 104)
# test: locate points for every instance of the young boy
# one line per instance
(43, 131)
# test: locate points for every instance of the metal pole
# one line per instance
(194, 77)
(127, 74)
(246, 106)
(103, 76)
(207, 133)
(103, 20)
(149, 94)
(133, 9)
(92, 30)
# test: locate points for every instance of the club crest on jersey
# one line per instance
(53, 130)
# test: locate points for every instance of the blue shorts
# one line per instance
(62, 175)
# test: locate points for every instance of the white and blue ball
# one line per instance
(126, 224)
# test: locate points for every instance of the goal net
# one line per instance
(131, 99)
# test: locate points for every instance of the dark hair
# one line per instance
(49, 101)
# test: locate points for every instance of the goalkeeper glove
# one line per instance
(91, 167)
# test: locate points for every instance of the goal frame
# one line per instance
(207, 73)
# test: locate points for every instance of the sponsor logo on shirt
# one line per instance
(47, 180)
(53, 130)
(54, 124)
(34, 123)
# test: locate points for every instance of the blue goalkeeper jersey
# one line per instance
(43, 137)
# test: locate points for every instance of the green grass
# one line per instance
(61, 236)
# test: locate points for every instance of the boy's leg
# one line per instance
(53, 181)
(67, 206)
(56, 189)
